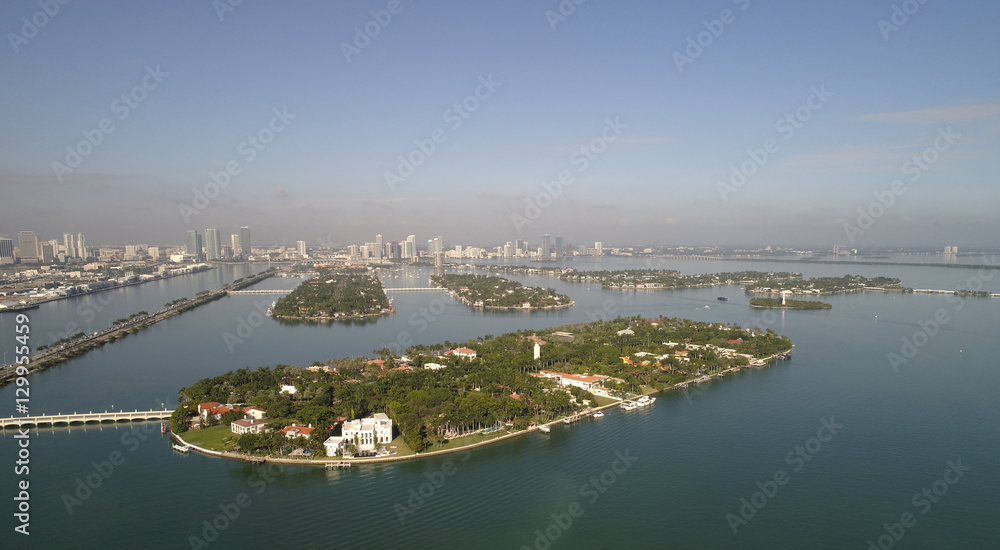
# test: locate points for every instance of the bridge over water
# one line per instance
(415, 289)
(261, 291)
(84, 418)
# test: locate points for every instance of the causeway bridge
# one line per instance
(415, 289)
(84, 418)
(261, 291)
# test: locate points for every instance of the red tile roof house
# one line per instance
(213, 409)
(293, 431)
(464, 353)
(248, 426)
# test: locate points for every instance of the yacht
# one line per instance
(598, 414)
(181, 448)
(544, 428)
(629, 405)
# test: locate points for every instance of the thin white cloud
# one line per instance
(948, 114)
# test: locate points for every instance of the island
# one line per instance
(778, 303)
(829, 285)
(332, 294)
(490, 292)
(440, 398)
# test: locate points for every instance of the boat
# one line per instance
(644, 400)
(708, 307)
(598, 414)
(164, 428)
(544, 428)
(722, 299)
(182, 448)
(629, 405)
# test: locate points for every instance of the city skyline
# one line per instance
(676, 125)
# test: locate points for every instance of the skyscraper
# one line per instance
(410, 247)
(70, 245)
(27, 241)
(544, 249)
(6, 251)
(235, 241)
(194, 244)
(560, 250)
(245, 241)
(301, 247)
(598, 248)
(213, 245)
(81, 246)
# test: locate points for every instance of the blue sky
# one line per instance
(322, 178)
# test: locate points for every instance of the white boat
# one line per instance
(181, 448)
(629, 405)
(644, 400)
(544, 428)
(598, 414)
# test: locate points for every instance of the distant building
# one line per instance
(27, 241)
(193, 244)
(293, 431)
(213, 245)
(462, 353)
(245, 241)
(6, 251)
(301, 247)
(560, 249)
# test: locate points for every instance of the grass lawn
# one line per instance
(468, 440)
(602, 401)
(209, 438)
(400, 446)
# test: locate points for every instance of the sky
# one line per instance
(731, 122)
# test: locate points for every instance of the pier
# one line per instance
(84, 418)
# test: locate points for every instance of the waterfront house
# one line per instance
(369, 432)
(248, 426)
(335, 445)
(293, 431)
(433, 366)
(582, 381)
(462, 353)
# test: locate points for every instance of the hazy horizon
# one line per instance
(118, 115)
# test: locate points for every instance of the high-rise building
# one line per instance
(301, 246)
(70, 245)
(234, 239)
(410, 247)
(81, 246)
(213, 245)
(544, 249)
(245, 241)
(560, 250)
(520, 246)
(27, 241)
(6, 251)
(154, 252)
(46, 253)
(598, 248)
(193, 244)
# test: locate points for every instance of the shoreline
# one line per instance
(341, 462)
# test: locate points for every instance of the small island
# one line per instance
(490, 292)
(829, 285)
(440, 398)
(333, 295)
(778, 303)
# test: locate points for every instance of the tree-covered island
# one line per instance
(490, 292)
(335, 294)
(778, 303)
(829, 285)
(439, 397)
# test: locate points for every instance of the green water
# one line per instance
(696, 453)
